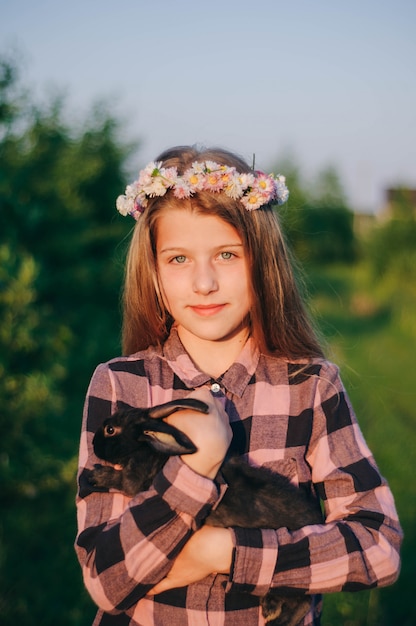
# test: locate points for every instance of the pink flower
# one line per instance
(253, 189)
(264, 184)
(182, 190)
(253, 200)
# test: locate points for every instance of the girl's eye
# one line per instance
(179, 259)
(226, 255)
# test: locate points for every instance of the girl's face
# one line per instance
(204, 277)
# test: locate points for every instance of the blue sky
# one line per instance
(330, 83)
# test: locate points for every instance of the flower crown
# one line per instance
(253, 189)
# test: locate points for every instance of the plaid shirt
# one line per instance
(298, 422)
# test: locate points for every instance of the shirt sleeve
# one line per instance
(358, 545)
(126, 545)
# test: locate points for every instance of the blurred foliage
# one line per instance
(62, 249)
(32, 348)
(393, 248)
(61, 265)
(371, 329)
(316, 218)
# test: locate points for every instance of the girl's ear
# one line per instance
(166, 438)
(163, 410)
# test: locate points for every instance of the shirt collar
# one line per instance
(234, 380)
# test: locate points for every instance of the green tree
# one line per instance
(317, 220)
(391, 254)
(34, 444)
(60, 274)
(30, 374)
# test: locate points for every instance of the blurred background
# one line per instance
(90, 91)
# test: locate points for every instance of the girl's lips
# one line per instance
(205, 310)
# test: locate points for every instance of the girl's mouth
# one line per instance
(206, 310)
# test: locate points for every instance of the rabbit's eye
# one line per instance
(109, 430)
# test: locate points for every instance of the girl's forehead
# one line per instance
(194, 228)
(180, 220)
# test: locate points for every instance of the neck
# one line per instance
(213, 357)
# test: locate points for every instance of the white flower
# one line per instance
(194, 178)
(153, 167)
(123, 205)
(253, 189)
(247, 180)
(157, 187)
(254, 200)
(282, 195)
(265, 185)
(211, 166)
(234, 189)
(170, 174)
(198, 168)
(282, 192)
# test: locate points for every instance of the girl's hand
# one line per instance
(211, 433)
(209, 551)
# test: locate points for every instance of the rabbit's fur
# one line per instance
(138, 442)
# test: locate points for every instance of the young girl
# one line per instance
(211, 311)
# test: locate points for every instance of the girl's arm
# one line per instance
(208, 551)
(358, 546)
(126, 545)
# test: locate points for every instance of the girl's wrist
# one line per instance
(217, 547)
(208, 470)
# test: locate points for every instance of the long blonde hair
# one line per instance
(279, 320)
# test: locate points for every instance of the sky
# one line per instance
(325, 83)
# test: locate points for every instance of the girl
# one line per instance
(211, 311)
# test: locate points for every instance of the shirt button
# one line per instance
(215, 388)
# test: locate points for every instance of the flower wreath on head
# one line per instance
(253, 189)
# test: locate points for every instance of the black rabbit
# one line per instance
(138, 442)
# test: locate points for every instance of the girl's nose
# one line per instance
(204, 280)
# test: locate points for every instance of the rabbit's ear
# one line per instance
(163, 410)
(166, 438)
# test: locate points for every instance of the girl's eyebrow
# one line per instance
(183, 248)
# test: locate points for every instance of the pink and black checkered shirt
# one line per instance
(298, 422)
